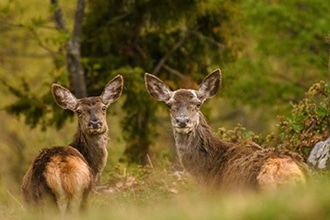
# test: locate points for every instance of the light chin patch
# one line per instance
(183, 130)
(95, 131)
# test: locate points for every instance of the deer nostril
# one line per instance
(95, 123)
(182, 121)
(182, 124)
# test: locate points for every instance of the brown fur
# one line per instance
(214, 162)
(58, 172)
(63, 176)
(276, 172)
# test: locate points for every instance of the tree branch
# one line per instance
(58, 16)
(162, 61)
(118, 18)
(174, 71)
(212, 41)
(41, 44)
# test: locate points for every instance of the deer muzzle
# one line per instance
(95, 127)
(182, 124)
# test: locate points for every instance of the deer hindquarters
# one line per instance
(60, 173)
(279, 171)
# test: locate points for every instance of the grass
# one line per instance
(144, 193)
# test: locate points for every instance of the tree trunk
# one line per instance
(72, 47)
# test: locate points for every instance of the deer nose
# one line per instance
(182, 121)
(95, 123)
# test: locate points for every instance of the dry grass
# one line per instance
(145, 193)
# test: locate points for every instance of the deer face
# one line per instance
(91, 114)
(91, 111)
(184, 104)
(184, 110)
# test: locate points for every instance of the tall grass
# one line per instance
(150, 194)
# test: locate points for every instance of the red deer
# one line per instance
(65, 175)
(212, 161)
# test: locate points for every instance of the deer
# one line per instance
(63, 176)
(214, 162)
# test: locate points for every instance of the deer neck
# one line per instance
(197, 149)
(93, 148)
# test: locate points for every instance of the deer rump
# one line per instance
(58, 175)
(250, 166)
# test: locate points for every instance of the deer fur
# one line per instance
(212, 161)
(64, 175)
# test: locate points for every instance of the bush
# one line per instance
(308, 124)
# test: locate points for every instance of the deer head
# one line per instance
(184, 104)
(91, 111)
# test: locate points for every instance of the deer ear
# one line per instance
(113, 90)
(210, 85)
(63, 97)
(157, 88)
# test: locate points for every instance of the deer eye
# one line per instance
(104, 108)
(169, 105)
(79, 111)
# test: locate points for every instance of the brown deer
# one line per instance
(65, 175)
(212, 161)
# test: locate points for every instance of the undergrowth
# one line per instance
(149, 193)
(308, 123)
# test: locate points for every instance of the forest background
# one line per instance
(274, 57)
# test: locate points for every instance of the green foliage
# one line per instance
(285, 53)
(139, 122)
(191, 37)
(237, 134)
(34, 107)
(26, 39)
(292, 31)
(309, 122)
